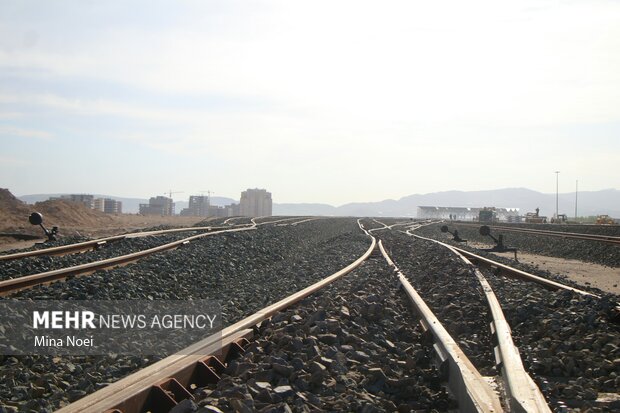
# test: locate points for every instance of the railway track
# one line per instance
(560, 234)
(185, 376)
(16, 284)
(530, 312)
(411, 225)
(98, 243)
(177, 377)
(506, 270)
(245, 270)
(522, 394)
(12, 285)
(588, 250)
(171, 378)
(106, 241)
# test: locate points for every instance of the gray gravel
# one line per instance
(354, 346)
(245, 271)
(451, 292)
(38, 264)
(568, 342)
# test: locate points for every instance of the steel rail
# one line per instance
(63, 249)
(231, 218)
(15, 284)
(472, 391)
(276, 220)
(522, 393)
(99, 242)
(131, 394)
(294, 224)
(568, 235)
(412, 225)
(162, 385)
(174, 230)
(507, 270)
(386, 226)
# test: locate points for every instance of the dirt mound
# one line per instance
(12, 211)
(67, 213)
(63, 214)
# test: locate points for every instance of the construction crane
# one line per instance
(209, 192)
(170, 192)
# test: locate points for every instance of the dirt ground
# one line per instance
(119, 224)
(583, 273)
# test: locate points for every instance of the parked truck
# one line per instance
(604, 220)
(535, 217)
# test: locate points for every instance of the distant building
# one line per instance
(108, 205)
(232, 210)
(99, 204)
(198, 206)
(255, 203)
(159, 205)
(87, 200)
(464, 213)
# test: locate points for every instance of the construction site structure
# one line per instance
(487, 214)
(535, 217)
(559, 219)
(159, 205)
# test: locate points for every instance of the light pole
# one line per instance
(557, 174)
(576, 192)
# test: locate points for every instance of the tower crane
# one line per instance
(170, 192)
(209, 192)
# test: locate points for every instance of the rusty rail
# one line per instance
(472, 391)
(16, 284)
(174, 375)
(274, 221)
(609, 239)
(507, 270)
(522, 393)
(63, 249)
(97, 243)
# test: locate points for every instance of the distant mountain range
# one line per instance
(589, 203)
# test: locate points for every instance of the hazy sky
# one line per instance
(317, 101)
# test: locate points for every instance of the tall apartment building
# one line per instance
(232, 210)
(159, 205)
(198, 206)
(255, 203)
(108, 205)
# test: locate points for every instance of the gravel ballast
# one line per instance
(353, 346)
(449, 289)
(589, 251)
(245, 271)
(569, 343)
(39, 264)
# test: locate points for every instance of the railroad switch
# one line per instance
(499, 242)
(36, 218)
(455, 234)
